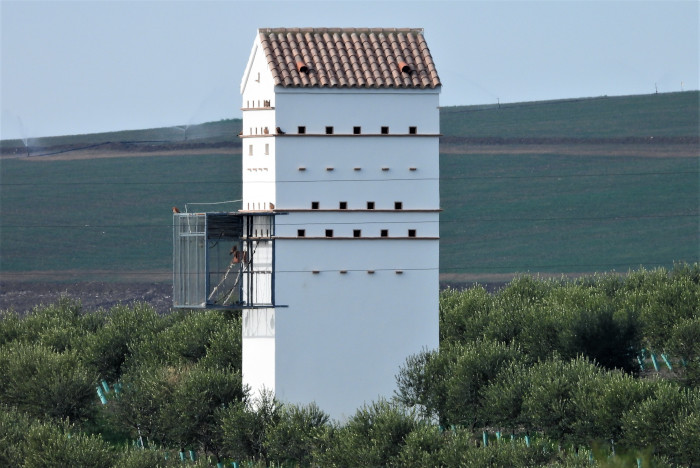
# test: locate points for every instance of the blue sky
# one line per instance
(84, 67)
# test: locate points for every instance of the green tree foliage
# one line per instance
(592, 325)
(477, 364)
(122, 329)
(548, 403)
(42, 382)
(224, 350)
(145, 396)
(51, 444)
(14, 425)
(245, 426)
(149, 457)
(501, 455)
(60, 326)
(186, 339)
(422, 384)
(373, 436)
(667, 422)
(662, 299)
(424, 446)
(428, 446)
(464, 314)
(192, 418)
(503, 397)
(298, 433)
(555, 359)
(685, 343)
(448, 385)
(601, 402)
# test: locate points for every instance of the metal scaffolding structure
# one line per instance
(223, 260)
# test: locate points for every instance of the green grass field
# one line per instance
(671, 115)
(107, 214)
(503, 212)
(558, 214)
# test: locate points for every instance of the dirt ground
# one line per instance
(23, 296)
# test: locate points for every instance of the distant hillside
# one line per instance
(654, 115)
(671, 117)
(575, 186)
(206, 135)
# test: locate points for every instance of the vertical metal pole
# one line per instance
(206, 259)
(175, 252)
(272, 259)
(251, 276)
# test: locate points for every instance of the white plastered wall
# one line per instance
(258, 350)
(371, 109)
(339, 336)
(258, 144)
(357, 169)
(343, 337)
(370, 224)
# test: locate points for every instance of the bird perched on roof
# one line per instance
(175, 209)
(279, 131)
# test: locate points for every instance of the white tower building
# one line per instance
(340, 213)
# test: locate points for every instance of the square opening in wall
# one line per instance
(411, 233)
(356, 130)
(301, 130)
(356, 233)
(343, 205)
(370, 205)
(315, 205)
(329, 232)
(329, 130)
(385, 130)
(301, 232)
(384, 233)
(412, 130)
(398, 205)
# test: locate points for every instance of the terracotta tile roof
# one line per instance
(349, 57)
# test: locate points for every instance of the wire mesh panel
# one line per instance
(258, 286)
(189, 260)
(222, 260)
